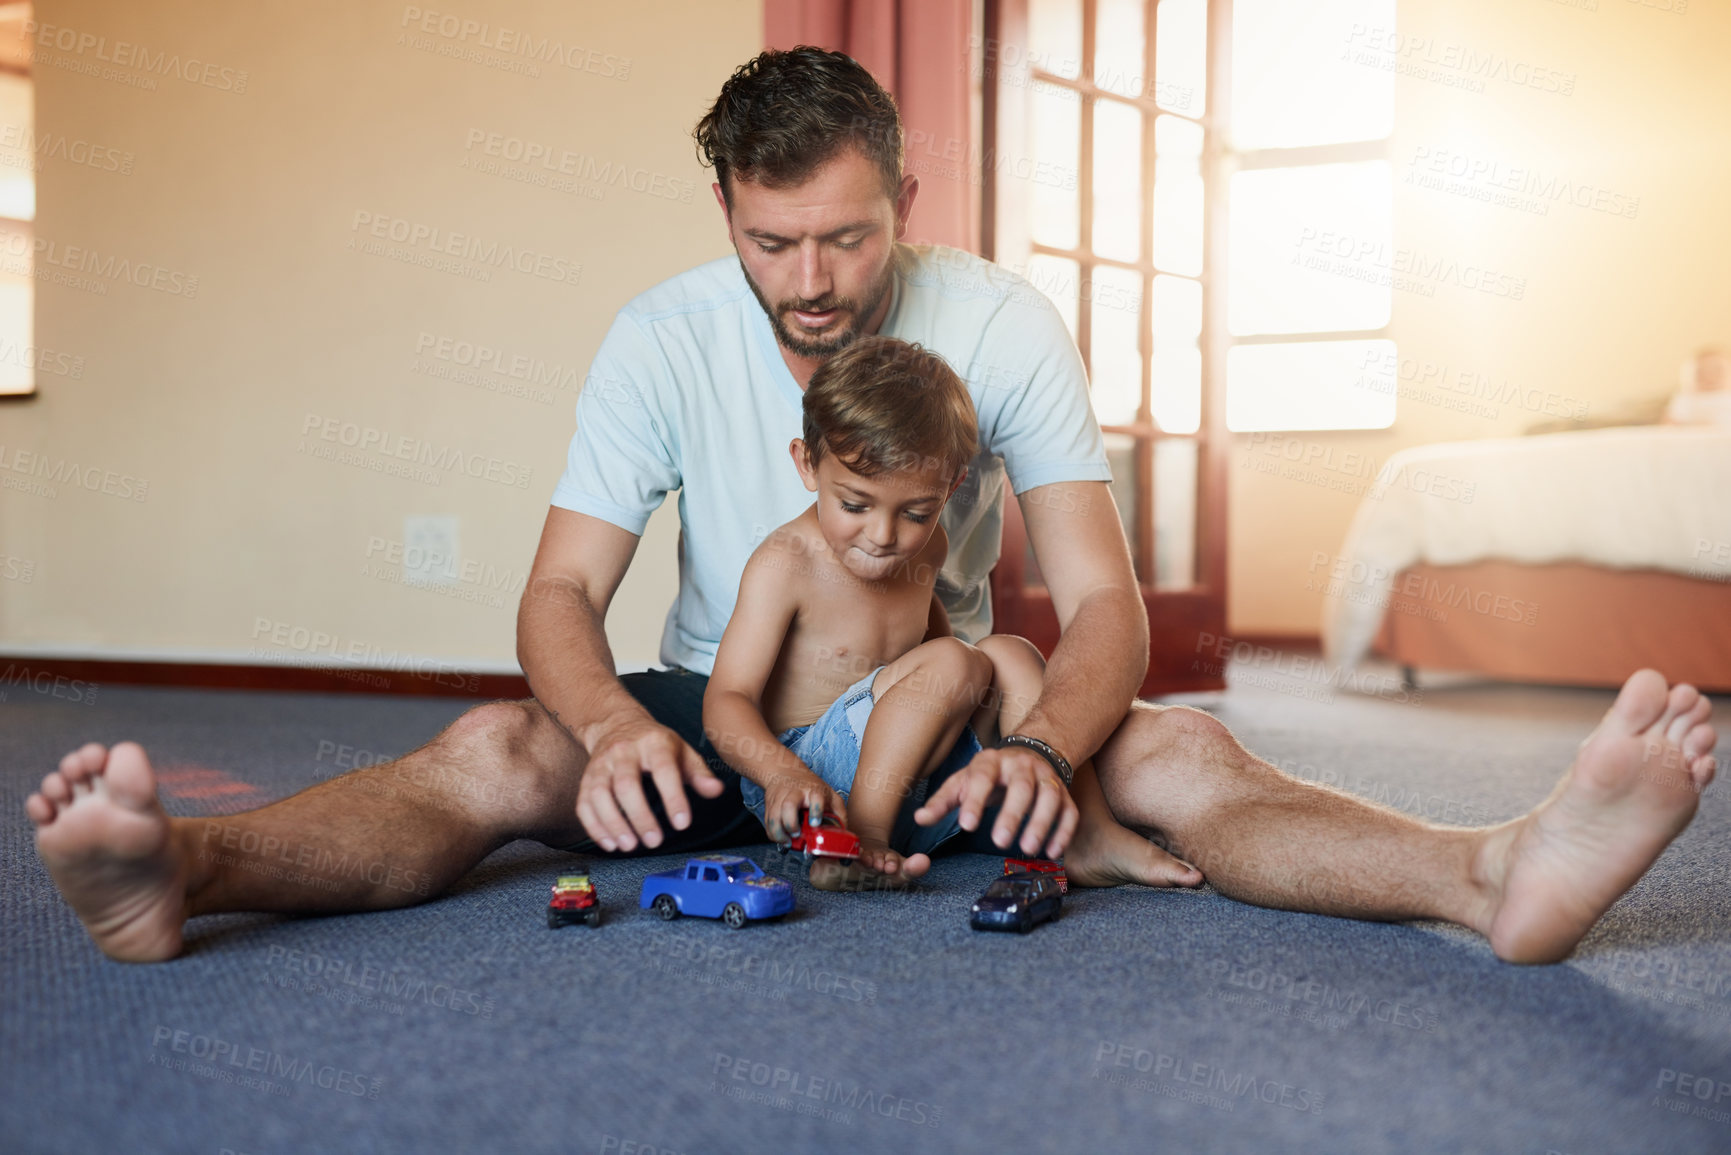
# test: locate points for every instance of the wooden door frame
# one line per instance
(1184, 625)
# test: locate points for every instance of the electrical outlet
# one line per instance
(430, 549)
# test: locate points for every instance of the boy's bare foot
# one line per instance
(1103, 853)
(878, 868)
(107, 843)
(1549, 876)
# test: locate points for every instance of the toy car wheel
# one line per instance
(734, 915)
(666, 907)
(845, 861)
(554, 922)
(593, 918)
(781, 848)
(1056, 911)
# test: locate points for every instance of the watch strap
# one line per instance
(1057, 760)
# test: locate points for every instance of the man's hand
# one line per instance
(610, 799)
(791, 795)
(1018, 777)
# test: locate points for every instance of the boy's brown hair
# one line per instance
(884, 404)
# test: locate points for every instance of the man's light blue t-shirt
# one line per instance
(689, 391)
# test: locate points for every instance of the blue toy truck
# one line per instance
(725, 886)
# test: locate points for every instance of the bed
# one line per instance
(1568, 558)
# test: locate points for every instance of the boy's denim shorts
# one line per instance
(831, 747)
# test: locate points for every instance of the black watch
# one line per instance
(1056, 759)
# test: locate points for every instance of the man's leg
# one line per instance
(386, 836)
(1533, 886)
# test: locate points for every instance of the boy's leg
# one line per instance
(921, 702)
(1018, 677)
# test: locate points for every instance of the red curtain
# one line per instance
(919, 50)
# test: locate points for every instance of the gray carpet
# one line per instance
(1142, 1021)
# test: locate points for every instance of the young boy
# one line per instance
(837, 684)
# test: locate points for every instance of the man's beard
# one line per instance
(836, 342)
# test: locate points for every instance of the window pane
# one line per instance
(1055, 35)
(1181, 56)
(1057, 117)
(1178, 196)
(17, 152)
(1060, 279)
(1175, 306)
(17, 374)
(1119, 46)
(1114, 356)
(1309, 385)
(1296, 79)
(1175, 463)
(1311, 248)
(1117, 181)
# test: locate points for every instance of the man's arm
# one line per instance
(562, 646)
(1102, 652)
(1093, 674)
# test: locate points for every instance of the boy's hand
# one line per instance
(1018, 777)
(610, 799)
(792, 795)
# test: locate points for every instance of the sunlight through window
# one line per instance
(18, 154)
(1310, 212)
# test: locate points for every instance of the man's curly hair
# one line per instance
(782, 114)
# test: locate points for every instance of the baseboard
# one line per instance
(64, 676)
(1292, 643)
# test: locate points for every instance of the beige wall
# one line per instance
(205, 396)
(222, 526)
(1610, 304)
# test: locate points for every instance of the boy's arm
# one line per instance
(937, 620)
(733, 702)
(932, 558)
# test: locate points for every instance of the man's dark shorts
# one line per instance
(674, 698)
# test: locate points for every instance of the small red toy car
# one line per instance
(825, 839)
(1039, 866)
(574, 900)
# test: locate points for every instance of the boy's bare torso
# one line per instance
(842, 627)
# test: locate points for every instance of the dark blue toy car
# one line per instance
(724, 886)
(1018, 902)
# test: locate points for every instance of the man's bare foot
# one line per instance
(107, 843)
(1634, 786)
(1104, 853)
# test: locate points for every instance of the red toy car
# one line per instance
(574, 900)
(1039, 866)
(825, 839)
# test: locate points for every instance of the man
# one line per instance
(808, 165)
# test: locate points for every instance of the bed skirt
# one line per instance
(1567, 624)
